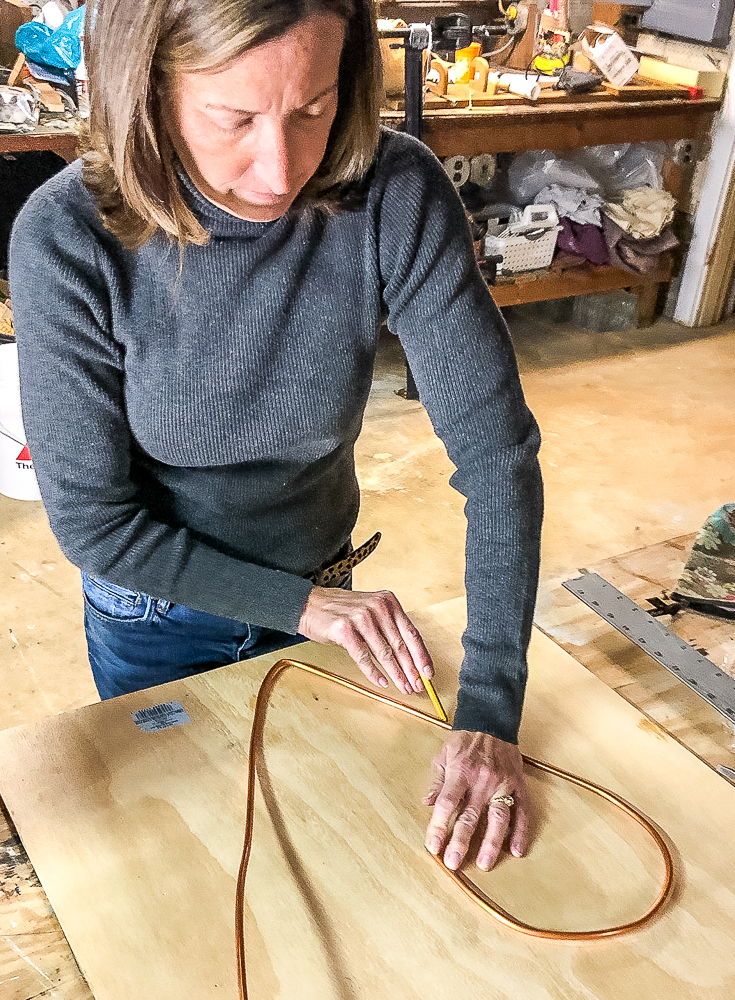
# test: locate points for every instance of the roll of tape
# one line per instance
(458, 169)
(482, 169)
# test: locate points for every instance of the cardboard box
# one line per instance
(609, 53)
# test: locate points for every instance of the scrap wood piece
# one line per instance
(641, 89)
(569, 97)
(16, 70)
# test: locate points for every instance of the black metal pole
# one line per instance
(413, 125)
(415, 41)
(414, 85)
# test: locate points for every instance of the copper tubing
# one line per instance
(461, 880)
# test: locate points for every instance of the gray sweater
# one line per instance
(193, 430)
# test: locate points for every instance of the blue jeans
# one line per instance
(136, 641)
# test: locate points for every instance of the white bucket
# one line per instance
(17, 478)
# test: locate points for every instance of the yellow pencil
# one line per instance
(435, 698)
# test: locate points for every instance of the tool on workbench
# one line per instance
(574, 81)
(694, 669)
(553, 40)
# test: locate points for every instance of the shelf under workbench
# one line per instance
(520, 126)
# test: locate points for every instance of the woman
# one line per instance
(198, 307)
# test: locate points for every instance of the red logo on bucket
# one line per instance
(23, 461)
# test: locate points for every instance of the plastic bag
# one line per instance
(582, 207)
(640, 167)
(608, 169)
(18, 106)
(600, 159)
(530, 172)
(60, 48)
(622, 167)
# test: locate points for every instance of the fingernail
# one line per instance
(435, 845)
(383, 682)
(516, 852)
(427, 671)
(453, 860)
(483, 863)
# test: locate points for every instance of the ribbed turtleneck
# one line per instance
(217, 221)
(193, 427)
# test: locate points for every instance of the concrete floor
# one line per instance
(637, 448)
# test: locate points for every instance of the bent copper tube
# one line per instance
(464, 883)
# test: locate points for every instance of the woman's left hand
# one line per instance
(469, 772)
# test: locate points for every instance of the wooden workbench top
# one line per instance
(517, 127)
(63, 141)
(136, 837)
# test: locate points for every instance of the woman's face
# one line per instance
(252, 135)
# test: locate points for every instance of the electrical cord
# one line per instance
(464, 883)
(503, 48)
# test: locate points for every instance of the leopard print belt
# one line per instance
(329, 576)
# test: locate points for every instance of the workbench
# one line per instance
(137, 835)
(62, 141)
(519, 126)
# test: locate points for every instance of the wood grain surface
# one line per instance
(136, 838)
(521, 126)
(35, 960)
(642, 574)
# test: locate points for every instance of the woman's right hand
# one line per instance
(374, 629)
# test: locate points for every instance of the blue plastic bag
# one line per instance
(60, 48)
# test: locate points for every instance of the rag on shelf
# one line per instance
(643, 212)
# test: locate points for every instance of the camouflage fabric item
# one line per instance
(708, 581)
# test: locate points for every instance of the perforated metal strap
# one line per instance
(696, 671)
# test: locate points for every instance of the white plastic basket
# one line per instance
(527, 244)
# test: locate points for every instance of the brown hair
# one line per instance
(132, 46)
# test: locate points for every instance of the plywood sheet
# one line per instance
(136, 837)
(35, 959)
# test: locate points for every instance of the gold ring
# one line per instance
(507, 800)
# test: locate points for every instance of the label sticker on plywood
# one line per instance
(158, 717)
